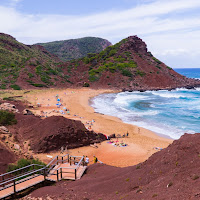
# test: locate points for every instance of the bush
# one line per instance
(38, 85)
(126, 73)
(25, 162)
(158, 61)
(8, 99)
(140, 73)
(86, 85)
(15, 87)
(30, 75)
(93, 78)
(3, 86)
(7, 118)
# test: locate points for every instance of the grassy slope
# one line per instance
(16, 58)
(75, 48)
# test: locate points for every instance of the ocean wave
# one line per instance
(169, 95)
(171, 117)
(125, 99)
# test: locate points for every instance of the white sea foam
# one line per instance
(125, 99)
(197, 88)
(171, 118)
(169, 95)
(160, 129)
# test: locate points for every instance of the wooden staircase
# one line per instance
(61, 167)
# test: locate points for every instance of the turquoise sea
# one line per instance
(170, 113)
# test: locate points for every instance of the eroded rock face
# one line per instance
(4, 130)
(9, 107)
(54, 132)
(27, 112)
(136, 44)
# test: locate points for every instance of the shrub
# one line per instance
(93, 78)
(25, 162)
(30, 75)
(15, 87)
(7, 118)
(8, 99)
(169, 68)
(195, 177)
(158, 61)
(125, 72)
(112, 69)
(86, 85)
(140, 73)
(38, 85)
(3, 86)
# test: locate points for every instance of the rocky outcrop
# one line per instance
(134, 43)
(4, 130)
(27, 112)
(59, 132)
(9, 107)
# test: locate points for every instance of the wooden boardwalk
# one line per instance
(66, 171)
(21, 186)
(56, 170)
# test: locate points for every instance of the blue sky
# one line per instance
(171, 28)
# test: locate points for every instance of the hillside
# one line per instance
(172, 173)
(126, 65)
(76, 48)
(22, 65)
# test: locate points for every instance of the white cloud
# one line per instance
(153, 21)
(13, 3)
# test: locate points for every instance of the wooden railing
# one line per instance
(12, 181)
(77, 161)
(56, 160)
(12, 178)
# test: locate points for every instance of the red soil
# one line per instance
(172, 173)
(6, 157)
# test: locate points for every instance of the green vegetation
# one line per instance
(7, 118)
(81, 47)
(86, 85)
(123, 68)
(169, 68)
(158, 61)
(16, 58)
(25, 162)
(140, 73)
(15, 87)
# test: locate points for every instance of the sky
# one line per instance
(170, 28)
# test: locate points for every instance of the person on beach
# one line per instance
(127, 134)
(95, 159)
(86, 160)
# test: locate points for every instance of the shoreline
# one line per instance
(141, 142)
(158, 134)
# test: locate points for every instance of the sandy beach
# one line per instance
(140, 142)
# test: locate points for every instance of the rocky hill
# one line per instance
(76, 48)
(23, 66)
(172, 173)
(57, 131)
(127, 65)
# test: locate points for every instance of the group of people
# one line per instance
(87, 160)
